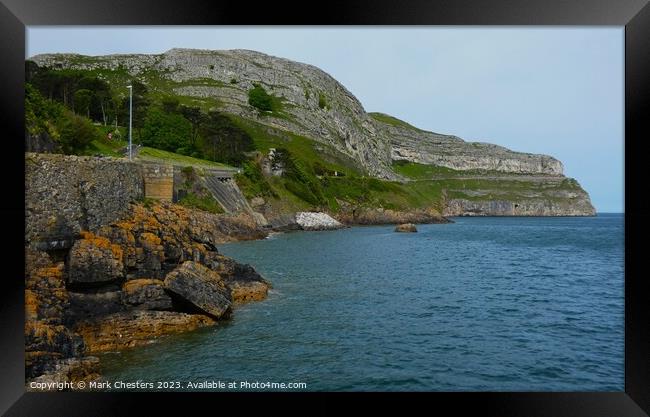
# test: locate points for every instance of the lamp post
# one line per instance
(130, 87)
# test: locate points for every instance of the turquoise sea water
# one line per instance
(483, 304)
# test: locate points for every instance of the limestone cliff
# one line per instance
(315, 106)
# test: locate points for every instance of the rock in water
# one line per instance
(317, 221)
(201, 287)
(406, 228)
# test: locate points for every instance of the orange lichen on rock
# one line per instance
(150, 238)
(102, 242)
(124, 330)
(243, 292)
(136, 284)
(31, 305)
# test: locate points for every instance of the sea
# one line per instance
(481, 304)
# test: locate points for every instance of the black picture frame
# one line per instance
(633, 14)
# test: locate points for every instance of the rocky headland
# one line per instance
(317, 115)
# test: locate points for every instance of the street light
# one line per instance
(130, 87)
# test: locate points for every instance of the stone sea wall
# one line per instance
(67, 194)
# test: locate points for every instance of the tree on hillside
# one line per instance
(224, 141)
(167, 131)
(82, 100)
(101, 96)
(170, 104)
(196, 117)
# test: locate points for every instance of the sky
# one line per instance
(551, 90)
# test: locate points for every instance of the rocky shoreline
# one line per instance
(108, 269)
(150, 274)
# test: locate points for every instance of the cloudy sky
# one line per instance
(557, 91)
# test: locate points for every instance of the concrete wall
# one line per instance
(158, 181)
(66, 194)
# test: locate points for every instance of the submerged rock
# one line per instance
(200, 287)
(406, 228)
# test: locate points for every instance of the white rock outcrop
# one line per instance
(317, 221)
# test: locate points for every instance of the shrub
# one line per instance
(75, 132)
(259, 98)
(322, 101)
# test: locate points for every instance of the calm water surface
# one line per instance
(493, 304)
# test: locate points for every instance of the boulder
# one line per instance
(94, 260)
(244, 291)
(147, 294)
(200, 287)
(244, 282)
(406, 228)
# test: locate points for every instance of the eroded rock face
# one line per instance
(415, 145)
(531, 207)
(135, 328)
(94, 303)
(156, 240)
(368, 216)
(46, 298)
(201, 287)
(406, 228)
